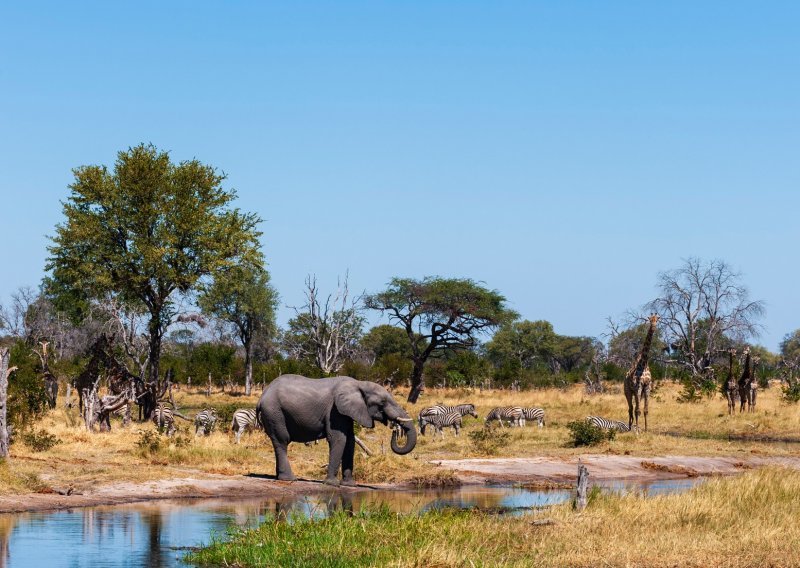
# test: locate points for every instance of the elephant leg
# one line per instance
(337, 441)
(347, 459)
(283, 470)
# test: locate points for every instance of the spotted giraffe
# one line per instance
(745, 381)
(731, 386)
(638, 379)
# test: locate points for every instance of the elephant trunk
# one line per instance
(411, 437)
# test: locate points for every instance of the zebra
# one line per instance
(461, 409)
(164, 419)
(244, 419)
(534, 414)
(606, 424)
(513, 414)
(441, 421)
(205, 419)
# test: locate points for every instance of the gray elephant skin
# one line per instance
(294, 408)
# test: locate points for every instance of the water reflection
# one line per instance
(157, 533)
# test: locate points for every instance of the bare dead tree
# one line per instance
(593, 377)
(129, 326)
(704, 305)
(5, 372)
(327, 330)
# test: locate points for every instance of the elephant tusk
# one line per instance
(404, 420)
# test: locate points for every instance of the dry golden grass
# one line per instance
(84, 459)
(745, 521)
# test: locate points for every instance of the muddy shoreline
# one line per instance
(542, 472)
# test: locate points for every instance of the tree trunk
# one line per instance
(248, 368)
(154, 328)
(5, 356)
(416, 381)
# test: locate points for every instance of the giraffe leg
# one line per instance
(628, 396)
(646, 393)
(636, 410)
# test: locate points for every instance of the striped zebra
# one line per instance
(534, 414)
(606, 424)
(462, 409)
(164, 419)
(441, 421)
(244, 419)
(513, 414)
(205, 419)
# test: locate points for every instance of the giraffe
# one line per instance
(745, 381)
(751, 400)
(637, 381)
(731, 386)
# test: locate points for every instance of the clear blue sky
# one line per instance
(561, 152)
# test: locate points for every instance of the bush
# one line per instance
(183, 437)
(224, 415)
(40, 441)
(791, 392)
(149, 441)
(489, 441)
(585, 434)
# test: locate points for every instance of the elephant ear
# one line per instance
(350, 402)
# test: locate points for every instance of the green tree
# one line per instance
(385, 339)
(242, 296)
(439, 314)
(146, 231)
(523, 345)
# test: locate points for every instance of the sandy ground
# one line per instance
(541, 470)
(200, 486)
(604, 467)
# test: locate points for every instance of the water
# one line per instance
(158, 533)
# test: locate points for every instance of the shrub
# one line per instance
(149, 441)
(489, 441)
(791, 392)
(182, 438)
(40, 441)
(585, 434)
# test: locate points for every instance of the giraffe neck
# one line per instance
(644, 354)
(730, 367)
(746, 375)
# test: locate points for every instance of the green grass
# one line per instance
(748, 520)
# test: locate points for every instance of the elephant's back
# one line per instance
(288, 390)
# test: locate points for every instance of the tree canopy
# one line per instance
(145, 231)
(438, 314)
(242, 296)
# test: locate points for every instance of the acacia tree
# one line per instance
(439, 314)
(242, 296)
(703, 306)
(146, 231)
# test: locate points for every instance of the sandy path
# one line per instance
(604, 467)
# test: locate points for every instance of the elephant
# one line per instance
(294, 408)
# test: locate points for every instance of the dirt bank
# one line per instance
(201, 486)
(540, 470)
(604, 467)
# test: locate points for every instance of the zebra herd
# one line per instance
(440, 417)
(243, 419)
